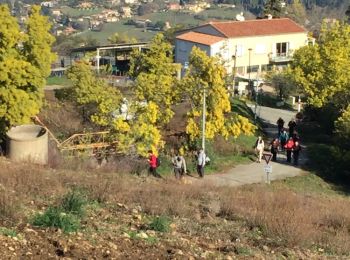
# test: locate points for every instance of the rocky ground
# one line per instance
(120, 232)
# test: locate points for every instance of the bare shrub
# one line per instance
(58, 115)
(292, 218)
(125, 165)
(8, 205)
(224, 147)
(30, 182)
(170, 198)
(105, 186)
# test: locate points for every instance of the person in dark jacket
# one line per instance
(291, 125)
(289, 147)
(296, 152)
(274, 149)
(296, 137)
(280, 125)
(152, 160)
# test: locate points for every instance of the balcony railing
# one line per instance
(281, 57)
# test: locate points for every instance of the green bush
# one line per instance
(7, 232)
(56, 217)
(331, 162)
(73, 202)
(160, 224)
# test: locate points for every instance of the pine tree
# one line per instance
(296, 11)
(274, 8)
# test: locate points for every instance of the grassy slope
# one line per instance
(73, 12)
(173, 18)
(120, 28)
(188, 19)
(62, 81)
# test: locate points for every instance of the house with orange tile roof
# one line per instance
(247, 48)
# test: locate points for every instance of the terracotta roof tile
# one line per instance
(257, 27)
(201, 38)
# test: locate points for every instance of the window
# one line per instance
(254, 68)
(282, 48)
(266, 67)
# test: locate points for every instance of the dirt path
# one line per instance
(254, 172)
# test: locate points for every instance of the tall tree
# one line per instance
(155, 76)
(98, 101)
(274, 8)
(207, 74)
(296, 11)
(323, 70)
(22, 78)
(282, 82)
(37, 46)
(140, 133)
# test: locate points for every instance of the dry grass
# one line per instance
(58, 116)
(8, 205)
(289, 219)
(223, 147)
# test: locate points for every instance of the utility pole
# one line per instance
(250, 50)
(98, 60)
(203, 119)
(250, 85)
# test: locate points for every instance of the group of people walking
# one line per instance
(288, 142)
(179, 164)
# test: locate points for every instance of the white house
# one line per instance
(247, 47)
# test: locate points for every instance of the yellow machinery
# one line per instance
(96, 143)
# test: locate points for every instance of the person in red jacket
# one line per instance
(289, 147)
(152, 160)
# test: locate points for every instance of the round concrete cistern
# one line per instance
(28, 143)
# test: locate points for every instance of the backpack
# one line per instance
(157, 162)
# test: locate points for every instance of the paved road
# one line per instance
(270, 115)
(254, 172)
(53, 87)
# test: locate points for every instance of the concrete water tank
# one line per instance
(28, 143)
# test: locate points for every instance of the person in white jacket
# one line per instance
(201, 159)
(259, 147)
